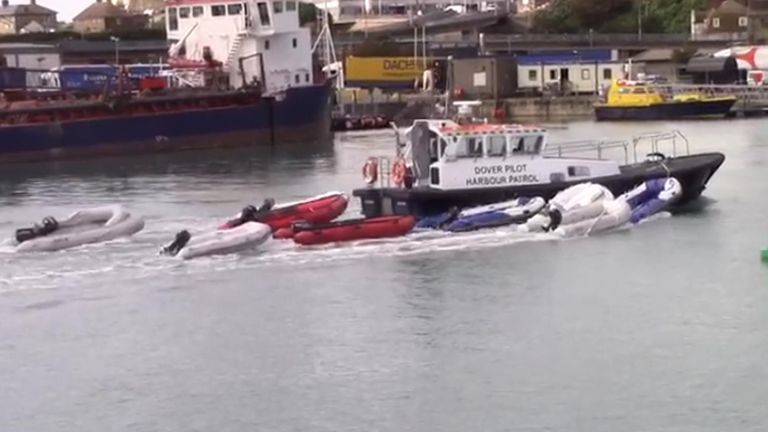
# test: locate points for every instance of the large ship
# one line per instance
(239, 73)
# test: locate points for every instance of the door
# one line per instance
(564, 79)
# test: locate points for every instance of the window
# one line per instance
(607, 74)
(197, 11)
(218, 10)
(743, 21)
(173, 19)
(266, 44)
(263, 14)
(297, 78)
(578, 171)
(295, 42)
(533, 75)
(638, 90)
(716, 22)
(278, 7)
(553, 74)
(532, 144)
(585, 75)
(235, 9)
(184, 12)
(497, 146)
(290, 5)
(470, 147)
(306, 77)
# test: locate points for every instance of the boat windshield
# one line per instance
(526, 145)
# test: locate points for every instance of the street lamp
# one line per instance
(116, 40)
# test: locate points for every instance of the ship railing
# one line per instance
(660, 141)
(598, 147)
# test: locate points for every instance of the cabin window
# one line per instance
(533, 75)
(624, 90)
(743, 21)
(556, 177)
(297, 79)
(585, 75)
(497, 146)
(531, 144)
(184, 12)
(218, 10)
(197, 11)
(295, 42)
(278, 7)
(607, 74)
(235, 9)
(306, 77)
(470, 147)
(266, 44)
(578, 171)
(263, 13)
(290, 5)
(716, 22)
(173, 19)
(553, 74)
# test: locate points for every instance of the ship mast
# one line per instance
(324, 43)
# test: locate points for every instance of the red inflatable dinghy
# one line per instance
(317, 210)
(356, 229)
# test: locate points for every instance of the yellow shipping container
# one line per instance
(383, 69)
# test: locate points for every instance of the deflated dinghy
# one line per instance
(512, 212)
(218, 242)
(580, 202)
(614, 214)
(95, 225)
(652, 196)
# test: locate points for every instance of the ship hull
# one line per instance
(667, 111)
(693, 172)
(302, 115)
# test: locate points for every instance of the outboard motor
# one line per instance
(555, 218)
(181, 240)
(25, 234)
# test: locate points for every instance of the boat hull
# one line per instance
(693, 172)
(302, 115)
(666, 111)
(359, 229)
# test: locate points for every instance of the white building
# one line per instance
(342, 10)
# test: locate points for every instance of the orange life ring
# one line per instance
(398, 171)
(371, 171)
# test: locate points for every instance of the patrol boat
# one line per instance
(443, 164)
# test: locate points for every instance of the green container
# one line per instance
(764, 255)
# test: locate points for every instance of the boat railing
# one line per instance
(658, 141)
(598, 147)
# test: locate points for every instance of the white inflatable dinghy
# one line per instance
(614, 214)
(219, 242)
(577, 203)
(94, 225)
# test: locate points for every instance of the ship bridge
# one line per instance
(255, 41)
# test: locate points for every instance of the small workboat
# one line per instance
(94, 225)
(354, 229)
(316, 210)
(512, 212)
(652, 196)
(640, 100)
(244, 237)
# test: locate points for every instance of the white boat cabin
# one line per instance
(447, 155)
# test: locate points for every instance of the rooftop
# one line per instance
(30, 8)
(101, 9)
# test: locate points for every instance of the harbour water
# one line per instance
(661, 327)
